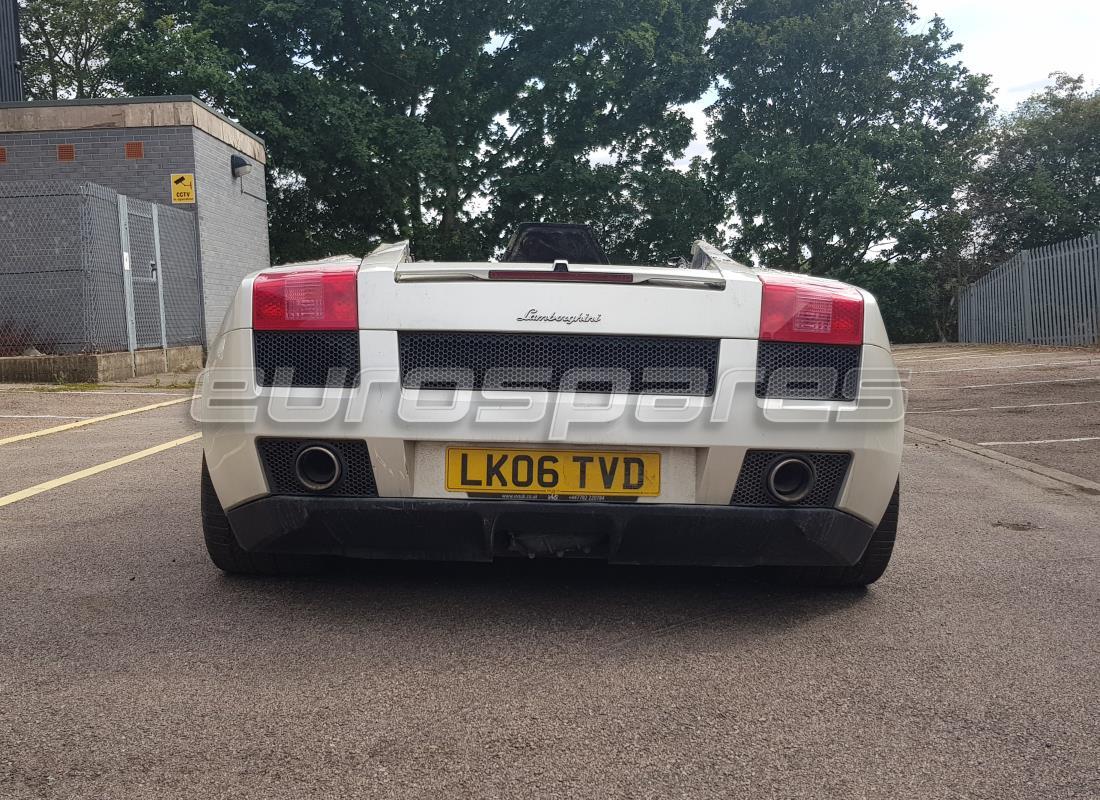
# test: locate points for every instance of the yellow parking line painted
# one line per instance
(91, 421)
(38, 416)
(15, 497)
(86, 391)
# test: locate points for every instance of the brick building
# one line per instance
(136, 147)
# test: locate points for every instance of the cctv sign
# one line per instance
(183, 187)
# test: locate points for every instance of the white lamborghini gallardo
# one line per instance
(551, 404)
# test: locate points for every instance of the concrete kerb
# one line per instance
(1084, 485)
(99, 367)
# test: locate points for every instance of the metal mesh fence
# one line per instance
(104, 304)
(40, 268)
(83, 269)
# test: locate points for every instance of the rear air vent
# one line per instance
(307, 358)
(829, 471)
(798, 371)
(558, 362)
(281, 464)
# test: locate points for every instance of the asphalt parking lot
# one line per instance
(131, 668)
(1037, 404)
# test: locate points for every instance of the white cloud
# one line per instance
(1020, 42)
(696, 112)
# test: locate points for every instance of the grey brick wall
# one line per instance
(101, 158)
(232, 225)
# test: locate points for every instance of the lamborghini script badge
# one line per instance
(533, 315)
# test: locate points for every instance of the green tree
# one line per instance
(840, 130)
(1040, 185)
(447, 122)
(906, 294)
(65, 45)
(917, 288)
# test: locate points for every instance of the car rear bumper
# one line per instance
(480, 530)
(407, 436)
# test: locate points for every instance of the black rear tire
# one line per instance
(229, 556)
(865, 571)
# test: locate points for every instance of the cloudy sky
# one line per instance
(1017, 42)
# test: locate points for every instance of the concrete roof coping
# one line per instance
(130, 112)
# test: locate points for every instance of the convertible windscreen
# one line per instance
(535, 243)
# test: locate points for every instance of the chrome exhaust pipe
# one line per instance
(791, 479)
(317, 468)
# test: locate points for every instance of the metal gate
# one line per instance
(144, 278)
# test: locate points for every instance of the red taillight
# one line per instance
(314, 300)
(797, 308)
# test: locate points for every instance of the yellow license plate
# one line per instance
(553, 472)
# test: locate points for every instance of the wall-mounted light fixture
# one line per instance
(239, 166)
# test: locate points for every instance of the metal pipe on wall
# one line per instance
(11, 73)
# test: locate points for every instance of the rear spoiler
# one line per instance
(561, 272)
(704, 272)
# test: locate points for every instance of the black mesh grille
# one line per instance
(278, 457)
(752, 489)
(587, 363)
(797, 371)
(307, 358)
